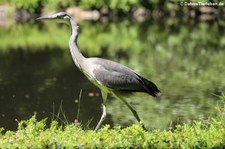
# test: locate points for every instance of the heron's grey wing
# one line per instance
(116, 76)
(121, 78)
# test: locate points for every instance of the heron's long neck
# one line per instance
(74, 50)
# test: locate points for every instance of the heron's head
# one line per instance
(61, 17)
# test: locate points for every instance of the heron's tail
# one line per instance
(150, 87)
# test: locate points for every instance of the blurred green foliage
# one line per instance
(28, 37)
(58, 4)
(115, 5)
(125, 5)
(31, 6)
(176, 36)
(3, 1)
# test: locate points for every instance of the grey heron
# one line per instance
(111, 77)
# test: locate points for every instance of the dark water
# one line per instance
(33, 86)
(185, 60)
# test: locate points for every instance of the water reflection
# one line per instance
(37, 74)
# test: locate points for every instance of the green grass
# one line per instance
(32, 133)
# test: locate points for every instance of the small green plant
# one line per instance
(60, 116)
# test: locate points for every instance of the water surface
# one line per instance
(185, 59)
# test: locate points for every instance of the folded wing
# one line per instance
(121, 78)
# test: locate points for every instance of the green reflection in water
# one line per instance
(186, 60)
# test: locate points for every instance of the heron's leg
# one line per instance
(102, 117)
(130, 107)
(104, 96)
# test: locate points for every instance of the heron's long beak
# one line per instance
(45, 18)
